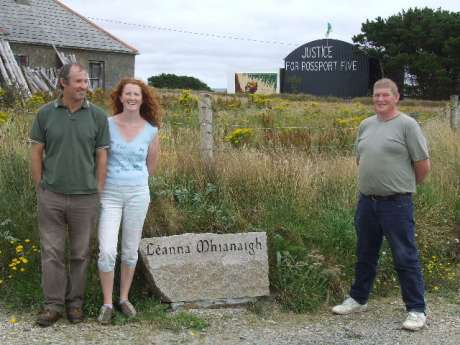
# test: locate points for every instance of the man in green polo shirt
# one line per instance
(69, 139)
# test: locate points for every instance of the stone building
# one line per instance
(37, 29)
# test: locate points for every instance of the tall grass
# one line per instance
(303, 199)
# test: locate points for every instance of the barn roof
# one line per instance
(51, 22)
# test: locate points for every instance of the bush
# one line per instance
(3, 117)
(303, 285)
(34, 102)
(260, 101)
(10, 97)
(99, 97)
(240, 137)
(172, 81)
(188, 101)
(19, 276)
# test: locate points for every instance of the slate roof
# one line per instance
(51, 22)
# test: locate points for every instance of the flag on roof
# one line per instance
(329, 29)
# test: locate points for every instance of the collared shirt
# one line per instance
(71, 141)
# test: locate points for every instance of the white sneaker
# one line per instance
(349, 306)
(414, 321)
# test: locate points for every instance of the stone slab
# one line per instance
(212, 304)
(207, 267)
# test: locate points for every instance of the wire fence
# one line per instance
(270, 138)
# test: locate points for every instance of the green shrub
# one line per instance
(303, 284)
(19, 273)
(188, 101)
(10, 97)
(99, 97)
(3, 117)
(34, 102)
(240, 137)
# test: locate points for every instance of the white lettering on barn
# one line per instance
(321, 59)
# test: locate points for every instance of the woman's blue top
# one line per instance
(127, 160)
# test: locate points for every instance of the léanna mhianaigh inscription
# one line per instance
(204, 246)
(326, 67)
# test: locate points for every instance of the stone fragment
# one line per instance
(207, 267)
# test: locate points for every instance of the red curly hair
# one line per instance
(151, 110)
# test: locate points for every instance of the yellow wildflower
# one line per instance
(26, 240)
(22, 269)
(24, 260)
(13, 320)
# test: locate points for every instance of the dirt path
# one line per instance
(381, 324)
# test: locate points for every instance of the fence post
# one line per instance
(454, 112)
(205, 105)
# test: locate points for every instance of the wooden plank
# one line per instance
(3, 72)
(37, 76)
(18, 70)
(38, 84)
(15, 70)
(6, 61)
(33, 87)
(61, 56)
(46, 79)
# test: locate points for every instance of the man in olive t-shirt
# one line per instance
(69, 140)
(392, 157)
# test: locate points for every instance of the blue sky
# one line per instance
(285, 23)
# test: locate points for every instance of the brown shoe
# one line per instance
(75, 315)
(47, 317)
(105, 315)
(127, 308)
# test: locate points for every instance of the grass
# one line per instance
(298, 186)
(153, 312)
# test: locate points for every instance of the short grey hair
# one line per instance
(386, 83)
(65, 71)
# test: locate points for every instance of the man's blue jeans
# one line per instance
(392, 218)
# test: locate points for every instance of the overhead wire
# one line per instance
(202, 34)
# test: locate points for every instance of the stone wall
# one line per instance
(117, 65)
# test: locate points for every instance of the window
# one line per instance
(96, 74)
(22, 60)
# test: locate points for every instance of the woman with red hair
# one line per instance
(125, 199)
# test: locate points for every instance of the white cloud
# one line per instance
(210, 59)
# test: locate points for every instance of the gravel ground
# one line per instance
(381, 324)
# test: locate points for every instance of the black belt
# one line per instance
(390, 197)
